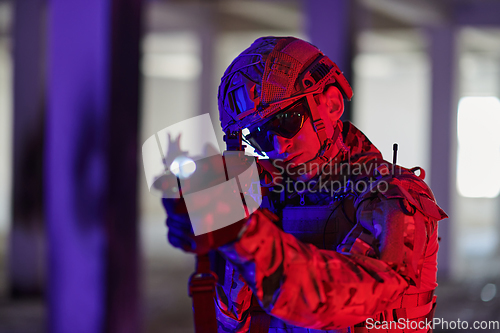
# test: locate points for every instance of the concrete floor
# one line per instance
(167, 307)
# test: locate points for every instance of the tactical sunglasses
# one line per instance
(286, 124)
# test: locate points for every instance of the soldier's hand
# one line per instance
(181, 234)
(180, 231)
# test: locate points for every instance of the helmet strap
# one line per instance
(317, 121)
(327, 144)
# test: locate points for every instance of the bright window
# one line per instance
(478, 165)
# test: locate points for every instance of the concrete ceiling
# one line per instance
(224, 15)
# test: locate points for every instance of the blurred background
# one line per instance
(84, 83)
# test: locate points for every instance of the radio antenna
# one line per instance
(394, 158)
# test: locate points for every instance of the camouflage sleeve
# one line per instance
(309, 287)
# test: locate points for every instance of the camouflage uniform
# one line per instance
(372, 254)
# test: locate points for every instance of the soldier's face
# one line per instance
(293, 154)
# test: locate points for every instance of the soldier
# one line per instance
(344, 241)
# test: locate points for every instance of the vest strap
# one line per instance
(202, 291)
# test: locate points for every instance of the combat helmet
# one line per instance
(269, 76)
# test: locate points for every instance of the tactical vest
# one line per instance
(326, 227)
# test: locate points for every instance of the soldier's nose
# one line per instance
(281, 144)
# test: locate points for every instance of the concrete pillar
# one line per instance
(443, 58)
(329, 25)
(26, 239)
(207, 33)
(122, 275)
(91, 166)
